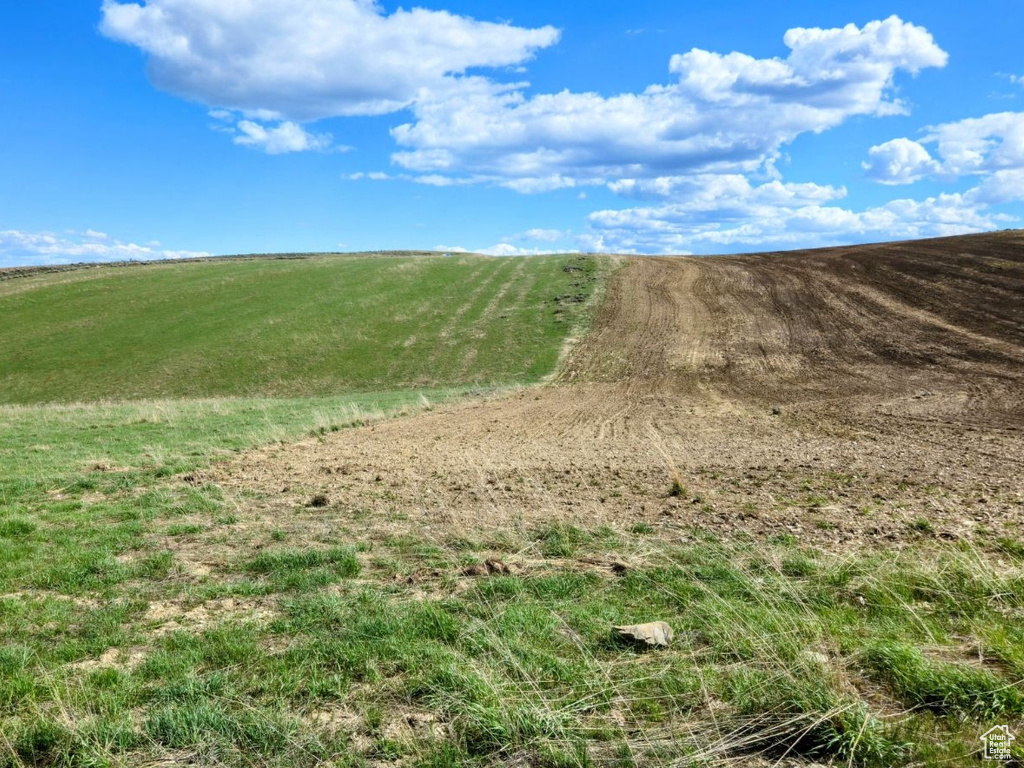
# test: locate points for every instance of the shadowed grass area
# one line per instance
(288, 328)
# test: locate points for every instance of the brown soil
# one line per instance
(863, 395)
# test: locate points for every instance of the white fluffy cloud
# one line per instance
(17, 247)
(1005, 186)
(713, 191)
(979, 146)
(705, 213)
(686, 148)
(724, 113)
(508, 245)
(729, 215)
(304, 60)
(900, 161)
(989, 149)
(543, 235)
(500, 249)
(508, 249)
(280, 139)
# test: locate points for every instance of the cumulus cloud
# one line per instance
(714, 213)
(511, 245)
(989, 148)
(723, 113)
(304, 60)
(976, 146)
(685, 149)
(21, 248)
(523, 186)
(281, 139)
(427, 179)
(271, 66)
(735, 216)
(712, 191)
(543, 235)
(980, 145)
(900, 161)
(507, 249)
(500, 249)
(1004, 186)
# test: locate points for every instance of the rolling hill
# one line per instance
(287, 327)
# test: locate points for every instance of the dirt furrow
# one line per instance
(839, 396)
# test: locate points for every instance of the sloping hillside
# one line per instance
(781, 372)
(292, 327)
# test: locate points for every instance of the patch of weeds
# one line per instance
(16, 528)
(563, 586)
(83, 571)
(807, 718)
(300, 569)
(1006, 645)
(415, 548)
(386, 749)
(205, 500)
(561, 540)
(297, 559)
(42, 742)
(945, 688)
(922, 525)
(799, 566)
(642, 529)
(155, 567)
(1011, 547)
(787, 539)
(204, 721)
(83, 483)
(461, 544)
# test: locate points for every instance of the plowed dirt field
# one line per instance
(862, 396)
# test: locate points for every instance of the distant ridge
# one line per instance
(10, 273)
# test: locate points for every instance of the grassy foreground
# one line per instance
(288, 328)
(372, 648)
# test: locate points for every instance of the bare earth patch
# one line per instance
(846, 398)
(173, 615)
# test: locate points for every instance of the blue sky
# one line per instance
(178, 127)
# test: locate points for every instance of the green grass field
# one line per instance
(193, 363)
(375, 649)
(287, 328)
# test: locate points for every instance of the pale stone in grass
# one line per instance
(656, 633)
